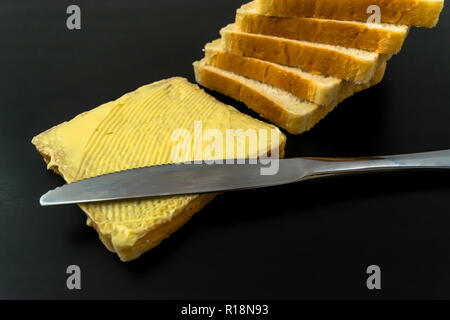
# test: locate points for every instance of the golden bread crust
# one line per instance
(421, 13)
(307, 56)
(265, 105)
(273, 74)
(363, 36)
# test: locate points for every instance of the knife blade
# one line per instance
(184, 179)
(174, 179)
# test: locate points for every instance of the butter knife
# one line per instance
(182, 179)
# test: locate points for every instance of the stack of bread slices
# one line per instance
(294, 61)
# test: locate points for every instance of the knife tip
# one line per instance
(43, 201)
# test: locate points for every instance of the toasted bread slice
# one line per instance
(278, 106)
(421, 13)
(134, 131)
(380, 38)
(344, 63)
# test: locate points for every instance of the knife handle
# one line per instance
(321, 167)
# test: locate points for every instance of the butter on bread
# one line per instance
(349, 64)
(376, 37)
(420, 13)
(280, 107)
(135, 131)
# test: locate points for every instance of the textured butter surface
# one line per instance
(135, 131)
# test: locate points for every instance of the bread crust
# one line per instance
(305, 55)
(281, 77)
(273, 74)
(421, 13)
(265, 105)
(363, 36)
(254, 99)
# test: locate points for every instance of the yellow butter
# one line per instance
(133, 131)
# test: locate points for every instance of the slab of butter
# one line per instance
(133, 131)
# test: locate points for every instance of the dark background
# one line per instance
(310, 240)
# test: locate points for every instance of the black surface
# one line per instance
(311, 240)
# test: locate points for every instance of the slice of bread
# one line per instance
(278, 106)
(138, 130)
(421, 13)
(344, 63)
(380, 38)
(314, 88)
